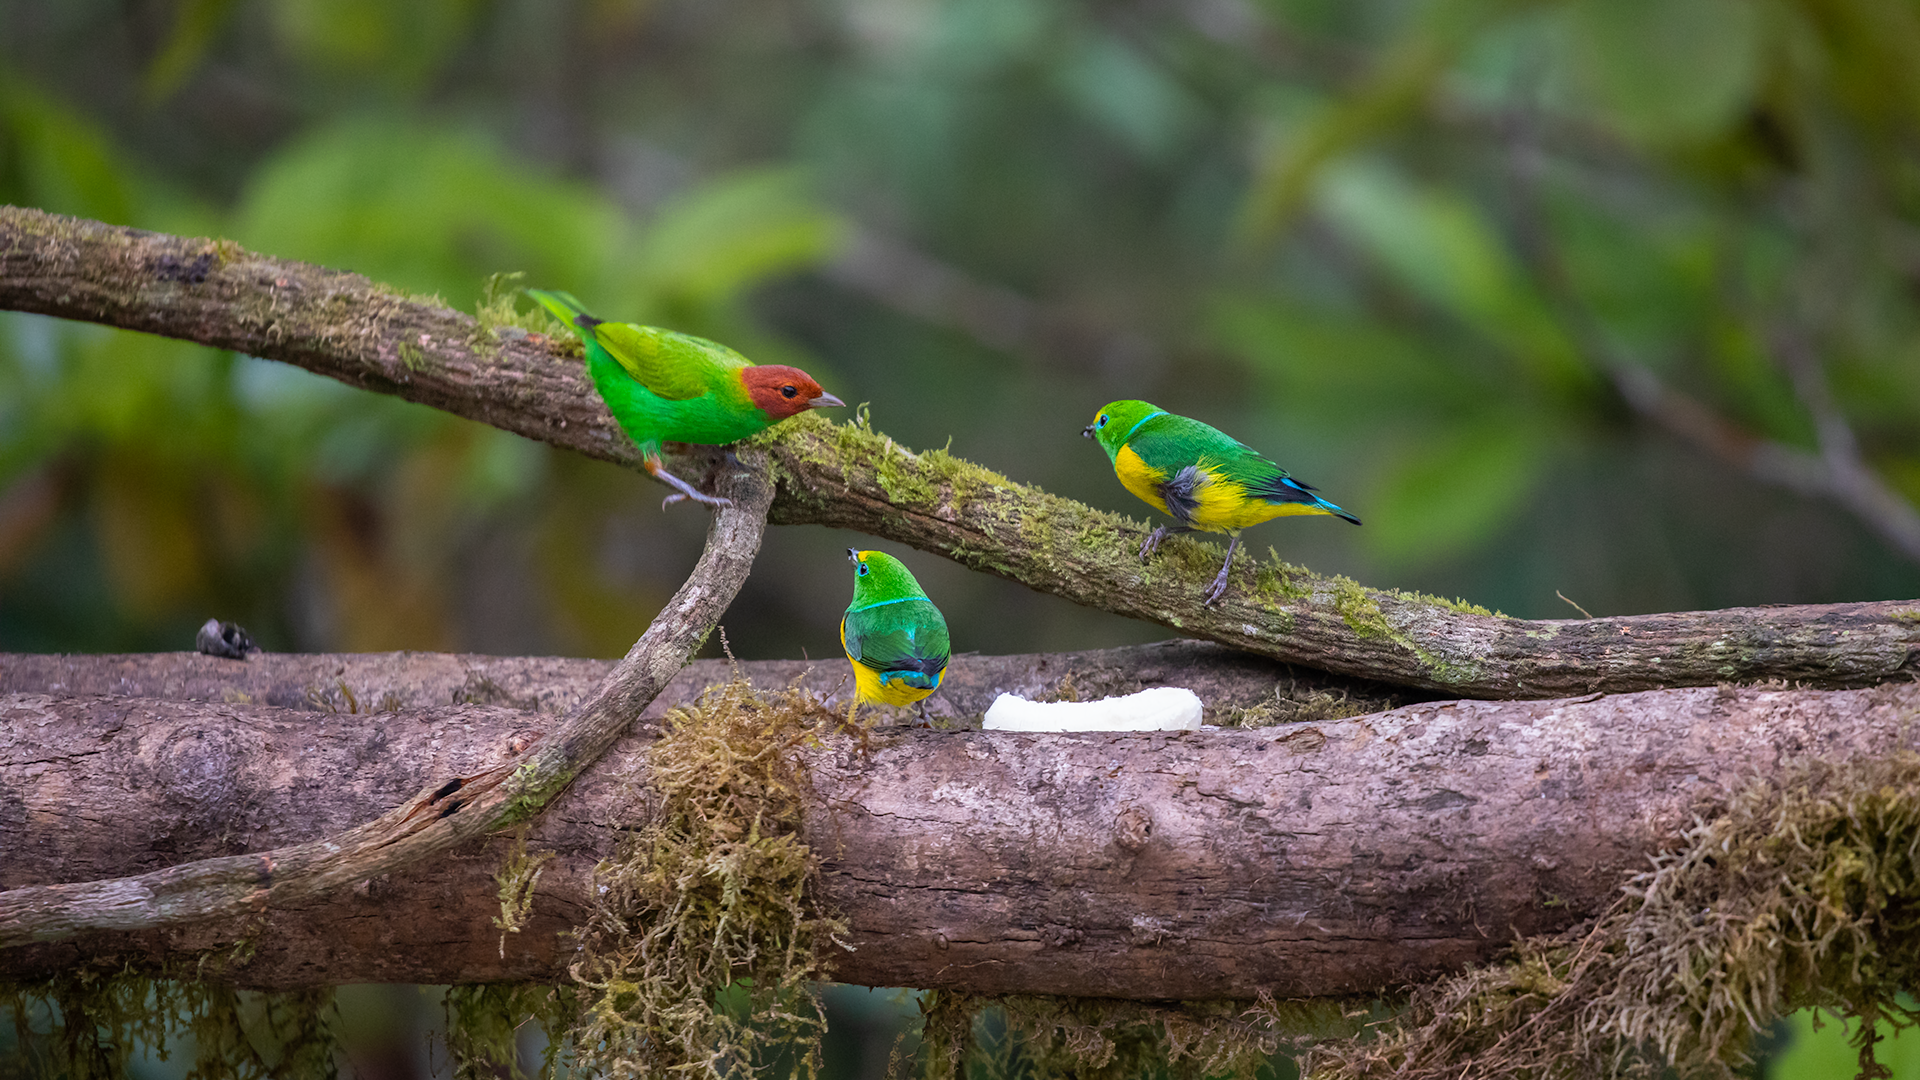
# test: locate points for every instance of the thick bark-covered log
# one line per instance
(349, 328)
(1334, 857)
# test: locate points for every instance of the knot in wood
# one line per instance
(1062, 937)
(1133, 828)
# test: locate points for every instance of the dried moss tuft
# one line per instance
(518, 877)
(700, 956)
(1294, 704)
(1804, 892)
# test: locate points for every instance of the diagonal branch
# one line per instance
(351, 329)
(459, 809)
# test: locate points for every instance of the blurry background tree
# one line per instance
(1611, 298)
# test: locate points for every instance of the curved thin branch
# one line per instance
(457, 810)
(349, 328)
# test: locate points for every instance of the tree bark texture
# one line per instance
(384, 682)
(349, 328)
(436, 818)
(1333, 857)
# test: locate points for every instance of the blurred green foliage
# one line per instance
(1406, 247)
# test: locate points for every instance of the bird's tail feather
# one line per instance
(924, 680)
(563, 306)
(1287, 489)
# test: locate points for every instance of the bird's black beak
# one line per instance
(1087, 432)
(852, 555)
(824, 399)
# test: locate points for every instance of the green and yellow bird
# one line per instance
(664, 386)
(895, 637)
(1203, 478)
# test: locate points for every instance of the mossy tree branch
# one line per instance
(454, 808)
(349, 328)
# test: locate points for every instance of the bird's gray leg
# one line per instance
(682, 489)
(1219, 585)
(1154, 538)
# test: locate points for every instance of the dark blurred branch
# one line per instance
(449, 810)
(1844, 476)
(914, 283)
(849, 476)
(1837, 472)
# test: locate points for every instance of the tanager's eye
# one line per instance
(863, 569)
(788, 391)
(1102, 422)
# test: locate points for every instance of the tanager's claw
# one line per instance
(682, 490)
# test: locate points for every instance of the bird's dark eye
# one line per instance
(789, 391)
(1102, 422)
(863, 569)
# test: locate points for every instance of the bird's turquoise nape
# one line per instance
(664, 386)
(892, 634)
(1203, 478)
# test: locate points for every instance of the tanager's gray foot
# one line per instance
(1219, 586)
(1158, 535)
(683, 490)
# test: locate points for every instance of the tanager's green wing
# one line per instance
(906, 636)
(673, 366)
(1170, 443)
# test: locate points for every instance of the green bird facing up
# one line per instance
(664, 387)
(1203, 478)
(895, 637)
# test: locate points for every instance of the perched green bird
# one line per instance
(664, 386)
(894, 635)
(1202, 477)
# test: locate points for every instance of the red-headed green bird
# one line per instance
(894, 635)
(664, 386)
(1203, 478)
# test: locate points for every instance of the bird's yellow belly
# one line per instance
(1224, 507)
(867, 684)
(1139, 477)
(1220, 505)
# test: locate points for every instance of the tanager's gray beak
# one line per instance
(852, 555)
(824, 399)
(1087, 432)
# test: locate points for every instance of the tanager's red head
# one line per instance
(781, 391)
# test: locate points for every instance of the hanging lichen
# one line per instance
(700, 955)
(85, 1025)
(484, 1023)
(1805, 892)
(1000, 1038)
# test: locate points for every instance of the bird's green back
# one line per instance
(890, 619)
(1169, 443)
(905, 630)
(659, 384)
